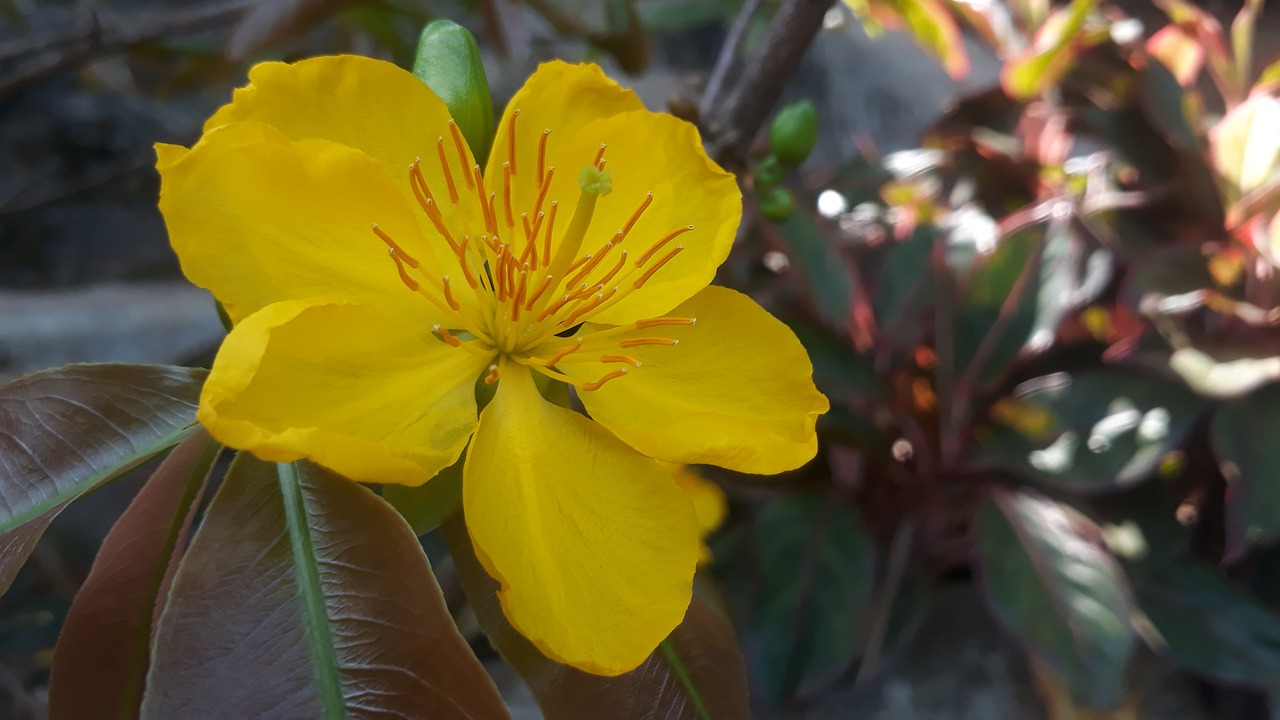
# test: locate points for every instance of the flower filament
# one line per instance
(528, 285)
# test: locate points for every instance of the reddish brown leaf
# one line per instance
(702, 649)
(306, 596)
(101, 658)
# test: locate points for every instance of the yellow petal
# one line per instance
(257, 218)
(593, 544)
(372, 106)
(708, 500)
(645, 153)
(375, 398)
(737, 391)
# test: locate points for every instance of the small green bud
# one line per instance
(448, 61)
(794, 132)
(769, 172)
(594, 181)
(777, 204)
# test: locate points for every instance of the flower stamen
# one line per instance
(637, 342)
(448, 175)
(511, 140)
(461, 146)
(448, 295)
(542, 153)
(635, 217)
(597, 384)
(507, 172)
(564, 353)
(657, 266)
(660, 321)
(659, 245)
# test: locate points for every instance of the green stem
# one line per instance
(677, 667)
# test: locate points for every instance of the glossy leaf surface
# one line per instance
(305, 595)
(102, 655)
(1092, 432)
(1244, 438)
(1052, 584)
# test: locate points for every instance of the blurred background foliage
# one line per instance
(1033, 256)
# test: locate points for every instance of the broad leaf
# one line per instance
(103, 652)
(827, 277)
(1245, 146)
(695, 674)
(999, 309)
(1091, 432)
(815, 565)
(1204, 622)
(1055, 48)
(427, 506)
(1051, 583)
(1244, 438)
(934, 29)
(306, 596)
(65, 431)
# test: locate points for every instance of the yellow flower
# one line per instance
(375, 274)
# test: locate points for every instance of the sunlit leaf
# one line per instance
(1051, 54)
(1224, 377)
(1245, 145)
(102, 655)
(933, 27)
(65, 431)
(1244, 438)
(1179, 52)
(696, 674)
(1209, 625)
(306, 596)
(1091, 432)
(815, 565)
(1051, 583)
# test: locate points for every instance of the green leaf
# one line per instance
(64, 432)
(1051, 583)
(1048, 59)
(999, 309)
(828, 279)
(448, 61)
(838, 370)
(903, 285)
(1091, 432)
(815, 565)
(1244, 438)
(1201, 620)
(305, 595)
(695, 674)
(103, 651)
(1072, 274)
(935, 30)
(427, 506)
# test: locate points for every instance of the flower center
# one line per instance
(522, 290)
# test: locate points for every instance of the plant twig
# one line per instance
(790, 33)
(729, 51)
(105, 37)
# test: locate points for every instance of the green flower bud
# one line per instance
(769, 172)
(448, 61)
(794, 132)
(777, 204)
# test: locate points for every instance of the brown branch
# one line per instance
(728, 51)
(789, 34)
(104, 37)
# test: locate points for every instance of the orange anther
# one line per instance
(448, 175)
(447, 336)
(461, 146)
(655, 322)
(599, 155)
(511, 140)
(395, 249)
(542, 153)
(620, 359)
(588, 307)
(563, 353)
(492, 377)
(528, 229)
(462, 260)
(419, 184)
(448, 294)
(636, 342)
(658, 265)
(589, 265)
(658, 245)
(607, 377)
(635, 216)
(616, 269)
